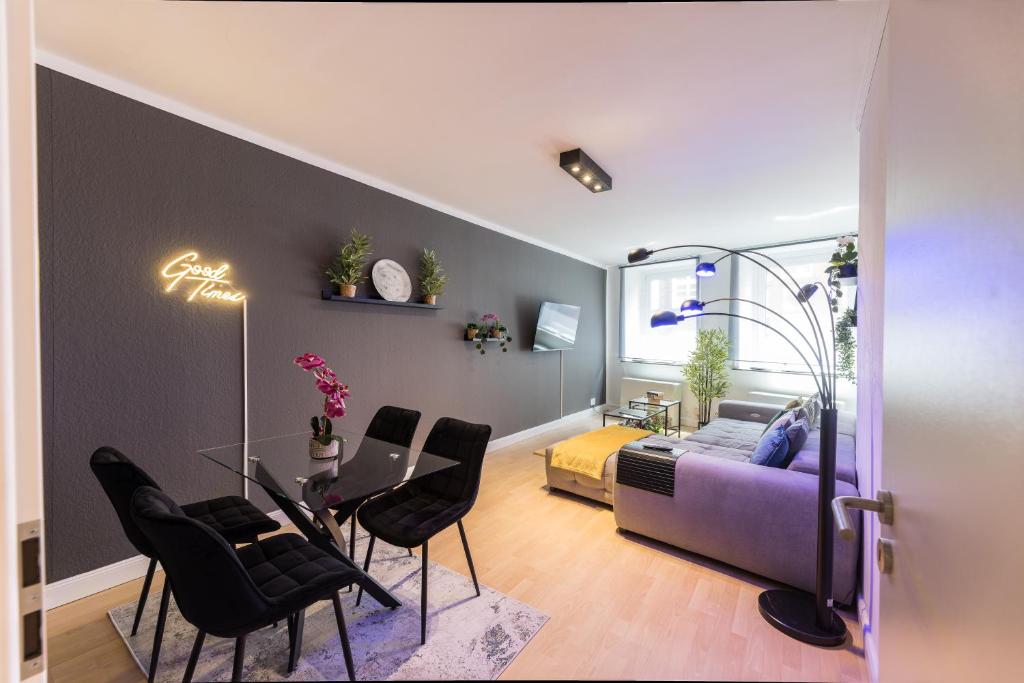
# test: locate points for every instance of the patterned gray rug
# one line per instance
(467, 637)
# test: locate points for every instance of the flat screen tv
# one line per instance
(556, 327)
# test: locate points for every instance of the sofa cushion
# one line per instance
(806, 460)
(688, 444)
(772, 449)
(774, 417)
(797, 434)
(741, 435)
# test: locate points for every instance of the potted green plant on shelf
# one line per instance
(846, 345)
(842, 268)
(706, 373)
(432, 277)
(347, 269)
(492, 328)
(472, 329)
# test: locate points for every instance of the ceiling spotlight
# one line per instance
(577, 164)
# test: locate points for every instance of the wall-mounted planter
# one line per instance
(329, 295)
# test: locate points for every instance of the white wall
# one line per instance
(21, 495)
(870, 302)
(742, 382)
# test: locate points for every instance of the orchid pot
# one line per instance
(847, 273)
(324, 451)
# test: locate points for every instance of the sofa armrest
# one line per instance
(748, 410)
(762, 519)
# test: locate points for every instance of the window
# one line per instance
(647, 290)
(758, 348)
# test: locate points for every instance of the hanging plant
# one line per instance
(492, 328)
(842, 265)
(846, 345)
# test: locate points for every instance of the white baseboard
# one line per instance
(510, 439)
(870, 641)
(88, 583)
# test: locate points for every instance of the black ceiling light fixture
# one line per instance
(581, 167)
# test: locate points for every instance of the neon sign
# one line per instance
(208, 282)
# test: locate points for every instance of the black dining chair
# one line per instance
(233, 517)
(230, 594)
(390, 424)
(412, 514)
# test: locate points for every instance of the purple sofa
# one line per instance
(761, 519)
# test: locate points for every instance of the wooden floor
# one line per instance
(620, 606)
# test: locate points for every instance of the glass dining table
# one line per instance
(306, 489)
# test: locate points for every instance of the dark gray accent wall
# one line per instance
(123, 186)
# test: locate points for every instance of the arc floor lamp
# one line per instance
(808, 618)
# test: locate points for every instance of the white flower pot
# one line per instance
(319, 451)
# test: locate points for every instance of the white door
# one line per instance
(952, 450)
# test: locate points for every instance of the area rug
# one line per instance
(468, 637)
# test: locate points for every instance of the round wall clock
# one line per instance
(391, 280)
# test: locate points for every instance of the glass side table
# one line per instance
(642, 417)
(643, 404)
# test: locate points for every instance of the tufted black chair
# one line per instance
(233, 517)
(390, 424)
(412, 514)
(229, 594)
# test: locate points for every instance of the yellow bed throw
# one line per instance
(587, 453)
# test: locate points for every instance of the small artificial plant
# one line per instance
(492, 327)
(843, 257)
(432, 275)
(334, 393)
(347, 269)
(846, 345)
(706, 373)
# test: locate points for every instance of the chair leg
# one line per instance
(423, 598)
(161, 619)
(194, 657)
(346, 648)
(298, 624)
(236, 669)
(469, 557)
(366, 567)
(145, 594)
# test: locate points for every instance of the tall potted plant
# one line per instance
(706, 373)
(347, 269)
(432, 277)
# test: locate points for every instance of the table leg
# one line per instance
(330, 542)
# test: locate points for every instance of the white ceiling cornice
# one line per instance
(85, 73)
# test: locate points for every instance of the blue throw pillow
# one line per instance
(796, 433)
(772, 449)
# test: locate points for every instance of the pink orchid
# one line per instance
(308, 361)
(334, 408)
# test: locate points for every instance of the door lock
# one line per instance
(840, 510)
(883, 551)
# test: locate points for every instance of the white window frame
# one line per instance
(818, 300)
(687, 264)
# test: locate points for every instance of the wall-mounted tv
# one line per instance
(556, 327)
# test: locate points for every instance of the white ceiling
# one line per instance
(714, 119)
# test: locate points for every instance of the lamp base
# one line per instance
(795, 614)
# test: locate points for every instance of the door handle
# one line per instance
(840, 510)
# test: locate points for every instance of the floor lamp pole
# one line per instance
(810, 618)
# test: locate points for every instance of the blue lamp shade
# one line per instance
(807, 291)
(705, 269)
(691, 307)
(664, 318)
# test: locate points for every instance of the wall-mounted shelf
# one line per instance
(327, 295)
(485, 339)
